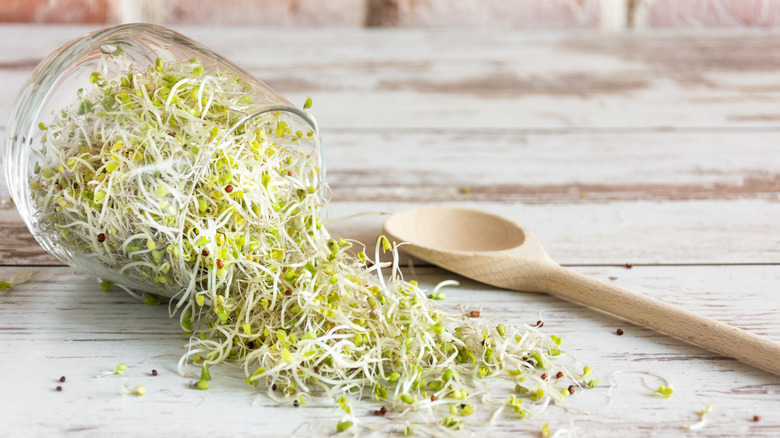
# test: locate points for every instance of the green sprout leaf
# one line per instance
(664, 391)
(344, 425)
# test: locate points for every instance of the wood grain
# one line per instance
(653, 149)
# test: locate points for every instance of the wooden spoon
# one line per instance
(494, 250)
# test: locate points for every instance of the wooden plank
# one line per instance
(551, 167)
(63, 324)
(465, 79)
(640, 233)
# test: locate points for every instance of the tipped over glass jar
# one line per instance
(149, 161)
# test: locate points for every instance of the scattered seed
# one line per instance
(288, 292)
(474, 314)
(433, 398)
(383, 410)
(62, 379)
(154, 372)
(228, 188)
(539, 323)
(204, 253)
(101, 237)
(220, 264)
(559, 375)
(756, 418)
(295, 403)
(544, 376)
(59, 388)
(619, 332)
(273, 387)
(59, 186)
(571, 389)
(629, 266)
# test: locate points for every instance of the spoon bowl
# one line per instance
(451, 229)
(497, 251)
(474, 244)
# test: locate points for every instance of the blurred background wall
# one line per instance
(607, 15)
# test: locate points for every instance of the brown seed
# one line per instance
(433, 398)
(62, 379)
(559, 375)
(619, 332)
(539, 323)
(383, 410)
(756, 418)
(273, 387)
(295, 403)
(59, 388)
(629, 266)
(154, 372)
(288, 292)
(101, 237)
(289, 173)
(220, 264)
(204, 253)
(228, 188)
(544, 376)
(474, 314)
(571, 389)
(59, 186)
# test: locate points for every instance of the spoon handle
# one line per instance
(758, 351)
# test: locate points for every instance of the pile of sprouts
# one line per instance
(169, 180)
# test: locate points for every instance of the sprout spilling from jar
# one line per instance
(169, 179)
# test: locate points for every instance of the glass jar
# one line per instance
(143, 158)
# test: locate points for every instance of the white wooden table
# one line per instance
(657, 150)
